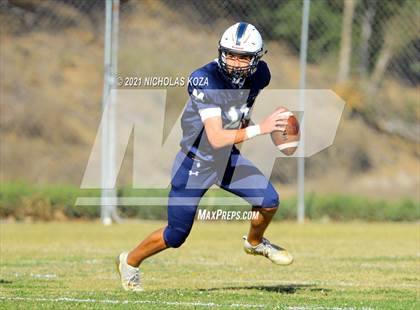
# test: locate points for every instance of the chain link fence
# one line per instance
(52, 72)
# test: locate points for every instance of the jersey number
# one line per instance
(234, 116)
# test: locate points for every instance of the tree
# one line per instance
(396, 37)
(345, 49)
(283, 23)
(368, 16)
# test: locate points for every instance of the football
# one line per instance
(287, 141)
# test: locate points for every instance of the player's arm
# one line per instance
(220, 137)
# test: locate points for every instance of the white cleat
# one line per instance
(130, 276)
(273, 252)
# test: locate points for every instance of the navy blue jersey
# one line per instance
(211, 94)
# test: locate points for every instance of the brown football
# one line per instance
(287, 141)
(292, 125)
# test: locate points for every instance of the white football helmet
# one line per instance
(240, 39)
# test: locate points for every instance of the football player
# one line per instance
(217, 117)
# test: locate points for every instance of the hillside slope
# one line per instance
(51, 98)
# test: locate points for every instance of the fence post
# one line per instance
(302, 86)
(108, 196)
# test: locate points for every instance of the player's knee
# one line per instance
(175, 236)
(271, 200)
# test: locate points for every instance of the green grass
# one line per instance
(347, 265)
(44, 202)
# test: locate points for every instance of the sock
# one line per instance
(129, 267)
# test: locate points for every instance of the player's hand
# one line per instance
(276, 121)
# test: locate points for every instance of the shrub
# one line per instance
(47, 202)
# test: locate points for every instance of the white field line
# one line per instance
(113, 301)
(254, 282)
(169, 303)
(271, 282)
(304, 283)
(325, 308)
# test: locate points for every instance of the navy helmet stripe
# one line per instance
(240, 31)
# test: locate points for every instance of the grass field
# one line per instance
(337, 265)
